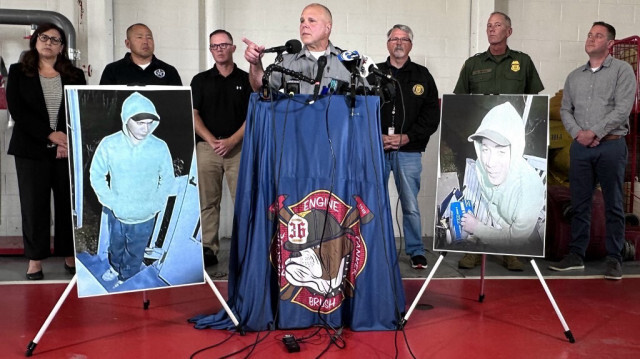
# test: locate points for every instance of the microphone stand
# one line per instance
(352, 92)
(279, 57)
(277, 68)
(265, 91)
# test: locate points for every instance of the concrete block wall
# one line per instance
(446, 33)
(553, 32)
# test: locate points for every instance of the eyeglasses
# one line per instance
(402, 39)
(54, 40)
(222, 46)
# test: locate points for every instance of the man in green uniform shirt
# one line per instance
(499, 70)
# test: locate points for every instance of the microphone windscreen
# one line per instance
(293, 46)
(322, 61)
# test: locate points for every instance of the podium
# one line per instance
(312, 240)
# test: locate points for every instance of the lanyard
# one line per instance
(392, 129)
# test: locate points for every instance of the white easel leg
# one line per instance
(424, 287)
(224, 303)
(567, 331)
(53, 313)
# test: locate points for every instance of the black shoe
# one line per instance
(571, 261)
(613, 270)
(35, 276)
(71, 270)
(419, 262)
(210, 258)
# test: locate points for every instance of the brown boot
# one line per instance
(470, 260)
(512, 263)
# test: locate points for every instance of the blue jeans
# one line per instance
(407, 167)
(126, 245)
(606, 164)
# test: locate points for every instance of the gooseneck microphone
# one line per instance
(374, 70)
(322, 63)
(292, 46)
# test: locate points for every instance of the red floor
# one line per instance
(516, 320)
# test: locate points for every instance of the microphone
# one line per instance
(292, 46)
(322, 62)
(369, 67)
(347, 56)
(364, 65)
(374, 69)
(350, 60)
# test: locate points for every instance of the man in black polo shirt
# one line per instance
(408, 121)
(220, 101)
(140, 66)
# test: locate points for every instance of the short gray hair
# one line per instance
(506, 17)
(404, 28)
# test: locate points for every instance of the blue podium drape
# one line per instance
(312, 238)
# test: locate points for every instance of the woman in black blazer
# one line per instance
(39, 144)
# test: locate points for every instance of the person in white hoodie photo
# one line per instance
(512, 188)
(132, 175)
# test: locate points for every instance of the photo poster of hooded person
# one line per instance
(135, 203)
(491, 192)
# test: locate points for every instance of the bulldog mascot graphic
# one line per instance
(318, 249)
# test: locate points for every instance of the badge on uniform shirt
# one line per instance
(515, 66)
(418, 89)
(159, 73)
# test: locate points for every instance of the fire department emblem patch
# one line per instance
(318, 249)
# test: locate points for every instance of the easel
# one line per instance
(32, 345)
(567, 331)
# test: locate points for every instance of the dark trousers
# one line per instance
(605, 164)
(126, 244)
(36, 180)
